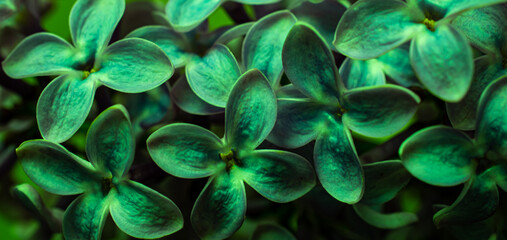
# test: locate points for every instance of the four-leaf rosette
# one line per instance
(443, 156)
(189, 151)
(129, 65)
(328, 111)
(440, 54)
(102, 182)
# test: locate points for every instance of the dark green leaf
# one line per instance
(383, 180)
(384, 220)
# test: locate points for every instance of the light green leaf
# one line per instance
(92, 23)
(110, 142)
(251, 111)
(439, 156)
(384, 220)
(64, 105)
(298, 122)
(378, 111)
(361, 73)
(443, 61)
(309, 64)
(185, 150)
(220, 208)
(262, 47)
(279, 176)
(396, 64)
(142, 212)
(271, 232)
(54, 168)
(337, 164)
(212, 76)
(369, 29)
(173, 43)
(463, 114)
(383, 180)
(7, 9)
(457, 7)
(134, 65)
(41, 54)
(491, 127)
(477, 201)
(185, 15)
(189, 102)
(85, 217)
(234, 33)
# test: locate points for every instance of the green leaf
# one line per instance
(92, 23)
(383, 180)
(220, 208)
(378, 111)
(262, 47)
(500, 173)
(173, 43)
(64, 105)
(369, 29)
(478, 201)
(185, 15)
(142, 212)
(288, 91)
(134, 65)
(271, 232)
(85, 217)
(251, 111)
(7, 9)
(186, 150)
(439, 156)
(384, 220)
(396, 64)
(256, 2)
(323, 16)
(212, 76)
(457, 7)
(337, 164)
(309, 64)
(443, 60)
(484, 27)
(234, 33)
(54, 168)
(41, 54)
(491, 128)
(110, 142)
(279, 176)
(463, 114)
(189, 102)
(362, 73)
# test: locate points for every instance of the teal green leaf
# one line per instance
(323, 16)
(257, 2)
(251, 111)
(439, 156)
(298, 122)
(173, 43)
(491, 128)
(262, 47)
(92, 23)
(477, 201)
(85, 217)
(54, 168)
(41, 54)
(484, 27)
(220, 208)
(189, 102)
(443, 61)
(463, 114)
(7, 8)
(369, 29)
(271, 232)
(142, 212)
(361, 73)
(279, 176)
(185, 15)
(185, 150)
(234, 33)
(309, 64)
(383, 180)
(500, 173)
(288, 91)
(457, 7)
(110, 142)
(134, 65)
(337, 164)
(64, 105)
(384, 220)
(396, 64)
(212, 76)
(378, 111)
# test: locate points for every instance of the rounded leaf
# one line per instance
(384, 220)
(185, 15)
(85, 217)
(383, 180)
(188, 101)
(361, 73)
